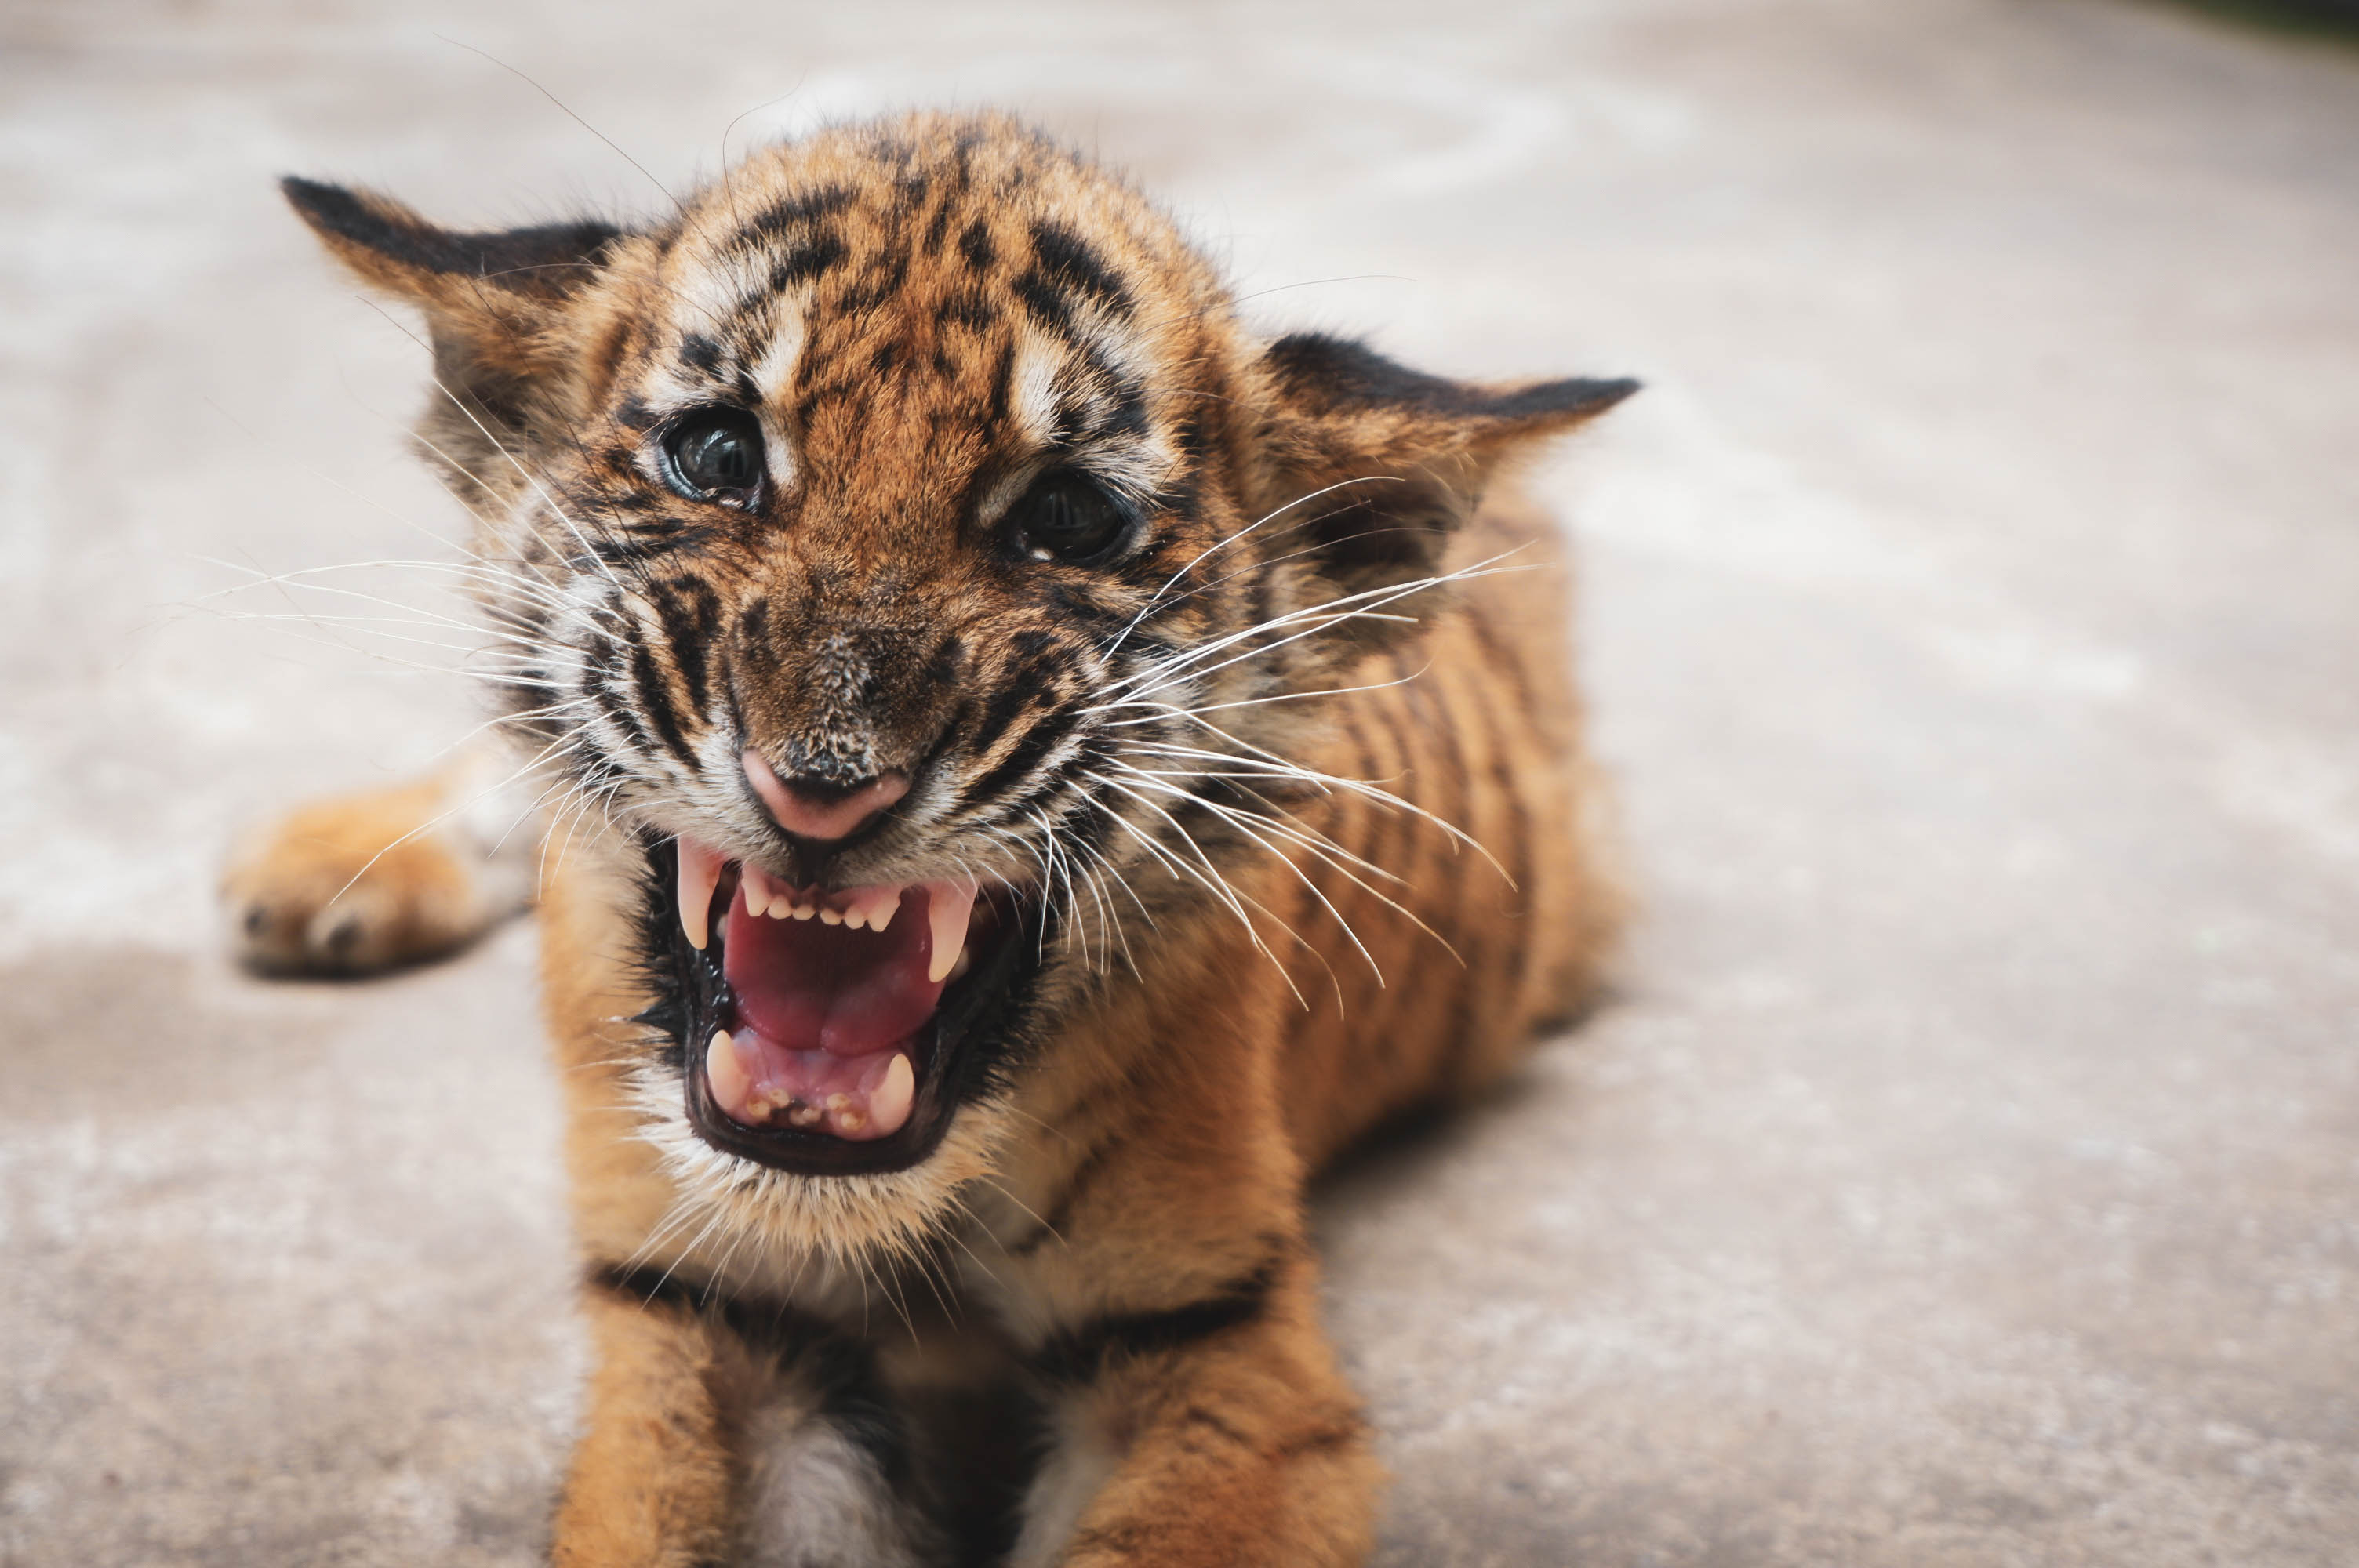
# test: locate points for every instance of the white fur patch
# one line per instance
(1079, 1464)
(814, 1499)
(1032, 388)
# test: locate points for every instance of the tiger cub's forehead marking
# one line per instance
(970, 305)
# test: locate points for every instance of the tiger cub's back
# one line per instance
(1473, 945)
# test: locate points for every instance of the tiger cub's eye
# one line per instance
(1066, 517)
(716, 455)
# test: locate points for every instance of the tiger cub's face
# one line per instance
(901, 543)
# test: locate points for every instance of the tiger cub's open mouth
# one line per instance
(833, 1031)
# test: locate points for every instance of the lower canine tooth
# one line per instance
(722, 1074)
(889, 1102)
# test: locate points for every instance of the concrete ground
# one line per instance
(1968, 1173)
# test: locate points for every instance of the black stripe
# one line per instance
(1022, 759)
(938, 228)
(852, 1396)
(1048, 306)
(798, 211)
(882, 281)
(1014, 698)
(966, 308)
(1502, 658)
(654, 695)
(642, 547)
(1077, 268)
(1080, 1354)
(612, 699)
(811, 259)
(688, 633)
(1002, 381)
(975, 244)
(616, 706)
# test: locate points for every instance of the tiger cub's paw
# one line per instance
(362, 882)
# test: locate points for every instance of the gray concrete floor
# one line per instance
(1966, 1173)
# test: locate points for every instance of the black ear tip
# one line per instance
(1549, 402)
(1605, 395)
(318, 201)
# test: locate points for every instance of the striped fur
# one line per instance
(1214, 762)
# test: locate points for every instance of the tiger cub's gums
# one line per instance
(1039, 738)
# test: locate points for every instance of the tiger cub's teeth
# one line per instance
(869, 908)
(725, 1075)
(889, 1102)
(947, 906)
(761, 895)
(700, 874)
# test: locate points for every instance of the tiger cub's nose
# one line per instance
(811, 807)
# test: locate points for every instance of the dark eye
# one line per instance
(1066, 517)
(716, 454)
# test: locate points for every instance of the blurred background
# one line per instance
(1965, 1172)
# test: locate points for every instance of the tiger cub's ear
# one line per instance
(492, 301)
(1401, 456)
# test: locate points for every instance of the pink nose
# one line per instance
(809, 809)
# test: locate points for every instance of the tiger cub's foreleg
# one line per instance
(1165, 1299)
(708, 1442)
(1215, 1436)
(360, 882)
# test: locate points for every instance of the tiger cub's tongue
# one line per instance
(827, 1012)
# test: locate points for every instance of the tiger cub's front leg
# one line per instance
(761, 1443)
(360, 882)
(1214, 1435)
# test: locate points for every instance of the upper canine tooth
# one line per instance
(947, 906)
(700, 874)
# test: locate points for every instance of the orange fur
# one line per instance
(1082, 1326)
(362, 883)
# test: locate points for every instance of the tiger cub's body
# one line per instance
(907, 526)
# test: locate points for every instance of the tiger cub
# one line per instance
(1063, 767)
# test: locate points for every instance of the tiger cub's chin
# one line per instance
(1041, 768)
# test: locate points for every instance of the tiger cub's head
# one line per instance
(902, 541)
